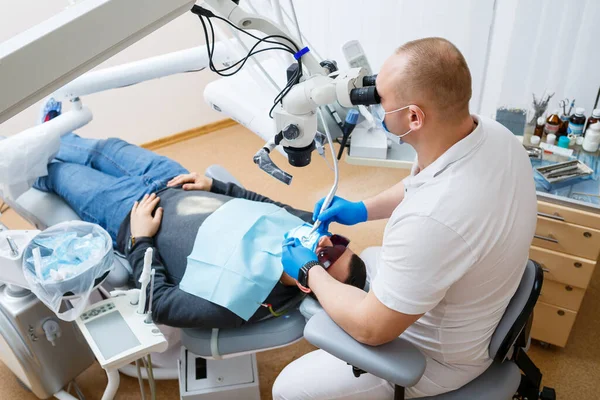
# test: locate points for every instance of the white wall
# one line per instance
(535, 46)
(542, 46)
(383, 25)
(139, 113)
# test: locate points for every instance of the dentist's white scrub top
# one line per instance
(455, 249)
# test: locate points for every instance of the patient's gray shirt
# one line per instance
(183, 214)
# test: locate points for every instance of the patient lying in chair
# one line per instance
(145, 200)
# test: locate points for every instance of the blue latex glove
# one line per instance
(341, 211)
(294, 256)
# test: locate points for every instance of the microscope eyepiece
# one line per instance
(369, 80)
(365, 96)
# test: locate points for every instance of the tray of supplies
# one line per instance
(564, 171)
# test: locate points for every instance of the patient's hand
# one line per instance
(192, 181)
(143, 224)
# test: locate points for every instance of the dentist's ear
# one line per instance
(417, 117)
(302, 288)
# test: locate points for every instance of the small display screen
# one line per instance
(112, 334)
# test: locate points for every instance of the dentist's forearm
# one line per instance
(383, 205)
(340, 301)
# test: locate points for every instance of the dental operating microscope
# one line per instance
(299, 104)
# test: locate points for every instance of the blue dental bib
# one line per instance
(236, 259)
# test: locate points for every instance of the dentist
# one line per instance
(455, 246)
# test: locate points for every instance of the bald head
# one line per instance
(433, 74)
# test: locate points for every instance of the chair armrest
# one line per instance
(310, 307)
(398, 361)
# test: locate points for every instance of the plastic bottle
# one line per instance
(578, 144)
(563, 142)
(539, 127)
(553, 123)
(592, 138)
(577, 122)
(593, 119)
(550, 138)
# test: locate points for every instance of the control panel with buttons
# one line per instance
(118, 334)
(94, 312)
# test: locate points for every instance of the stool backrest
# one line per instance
(518, 312)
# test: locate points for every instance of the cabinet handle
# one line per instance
(577, 265)
(568, 288)
(554, 216)
(587, 234)
(560, 312)
(546, 238)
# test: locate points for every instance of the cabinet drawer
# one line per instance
(561, 295)
(567, 238)
(569, 214)
(560, 267)
(552, 324)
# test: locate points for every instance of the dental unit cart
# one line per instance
(118, 317)
(124, 317)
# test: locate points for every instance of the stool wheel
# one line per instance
(548, 394)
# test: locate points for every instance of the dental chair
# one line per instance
(213, 364)
(221, 364)
(403, 365)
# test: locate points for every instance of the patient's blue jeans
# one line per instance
(101, 179)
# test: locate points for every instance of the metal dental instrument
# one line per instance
(14, 250)
(563, 104)
(571, 107)
(562, 172)
(333, 190)
(148, 319)
(563, 168)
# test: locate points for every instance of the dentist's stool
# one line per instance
(403, 365)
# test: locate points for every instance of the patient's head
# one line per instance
(341, 263)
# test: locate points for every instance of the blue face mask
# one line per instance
(379, 114)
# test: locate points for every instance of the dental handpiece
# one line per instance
(333, 190)
(324, 207)
(317, 223)
(148, 319)
(315, 227)
(145, 279)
